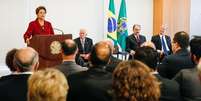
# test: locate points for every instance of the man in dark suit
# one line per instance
(180, 59)
(162, 42)
(84, 44)
(188, 79)
(69, 51)
(94, 84)
(134, 40)
(13, 87)
(169, 88)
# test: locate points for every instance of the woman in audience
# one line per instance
(9, 59)
(47, 85)
(132, 81)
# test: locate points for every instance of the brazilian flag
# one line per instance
(112, 23)
(122, 31)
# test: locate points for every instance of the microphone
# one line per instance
(57, 29)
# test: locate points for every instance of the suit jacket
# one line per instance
(169, 89)
(87, 45)
(112, 64)
(190, 85)
(157, 42)
(131, 43)
(172, 64)
(70, 67)
(94, 84)
(14, 87)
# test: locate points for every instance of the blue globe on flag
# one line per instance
(122, 25)
(112, 25)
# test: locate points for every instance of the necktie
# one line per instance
(138, 40)
(164, 45)
(82, 42)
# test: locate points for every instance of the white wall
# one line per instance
(13, 18)
(195, 18)
(68, 15)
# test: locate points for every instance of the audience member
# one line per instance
(169, 88)
(188, 79)
(94, 84)
(47, 85)
(84, 44)
(180, 59)
(149, 44)
(133, 81)
(134, 40)
(113, 60)
(69, 51)
(9, 59)
(14, 86)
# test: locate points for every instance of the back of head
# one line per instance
(148, 56)
(132, 80)
(110, 43)
(100, 54)
(26, 59)
(149, 44)
(47, 85)
(69, 47)
(195, 46)
(182, 38)
(9, 59)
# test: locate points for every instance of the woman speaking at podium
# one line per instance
(39, 26)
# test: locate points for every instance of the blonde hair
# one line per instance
(132, 81)
(47, 85)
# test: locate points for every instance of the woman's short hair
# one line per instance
(9, 59)
(40, 8)
(132, 81)
(47, 85)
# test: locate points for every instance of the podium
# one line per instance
(49, 49)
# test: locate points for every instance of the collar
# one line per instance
(83, 39)
(182, 51)
(20, 73)
(161, 35)
(155, 72)
(68, 62)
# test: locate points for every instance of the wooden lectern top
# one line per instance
(49, 48)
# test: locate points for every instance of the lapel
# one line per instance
(133, 38)
(80, 42)
(159, 40)
(85, 42)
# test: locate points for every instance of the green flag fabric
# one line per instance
(122, 31)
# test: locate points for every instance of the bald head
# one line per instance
(26, 59)
(100, 54)
(110, 43)
(69, 47)
(148, 44)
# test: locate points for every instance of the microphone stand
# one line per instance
(62, 32)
